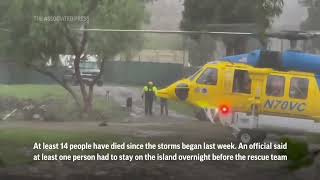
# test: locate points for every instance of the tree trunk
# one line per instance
(87, 95)
(87, 101)
(240, 46)
(236, 47)
(229, 50)
(87, 108)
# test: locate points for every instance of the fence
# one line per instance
(141, 72)
(134, 73)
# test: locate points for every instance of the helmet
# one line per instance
(150, 83)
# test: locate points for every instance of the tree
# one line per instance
(202, 15)
(42, 29)
(312, 22)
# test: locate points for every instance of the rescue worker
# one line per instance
(149, 92)
(129, 104)
(164, 106)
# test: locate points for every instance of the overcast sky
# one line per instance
(167, 14)
(293, 15)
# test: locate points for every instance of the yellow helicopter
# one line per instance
(233, 87)
(246, 91)
(241, 96)
(243, 90)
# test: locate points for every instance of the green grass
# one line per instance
(43, 92)
(35, 92)
(60, 103)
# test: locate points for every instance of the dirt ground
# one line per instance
(176, 126)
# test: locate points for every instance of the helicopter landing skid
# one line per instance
(244, 127)
(212, 115)
(217, 118)
(249, 128)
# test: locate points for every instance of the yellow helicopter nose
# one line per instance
(176, 91)
(165, 93)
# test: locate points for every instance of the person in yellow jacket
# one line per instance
(149, 95)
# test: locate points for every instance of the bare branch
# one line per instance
(93, 4)
(84, 41)
(69, 38)
(55, 78)
(78, 76)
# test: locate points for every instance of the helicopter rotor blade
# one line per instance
(294, 35)
(289, 35)
(168, 31)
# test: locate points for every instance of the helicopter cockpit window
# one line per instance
(195, 75)
(209, 77)
(299, 88)
(275, 86)
(241, 82)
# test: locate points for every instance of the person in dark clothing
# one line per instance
(108, 95)
(164, 106)
(149, 93)
(129, 104)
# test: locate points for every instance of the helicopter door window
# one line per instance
(275, 86)
(299, 88)
(241, 82)
(209, 77)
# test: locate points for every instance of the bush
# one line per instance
(2, 163)
(298, 153)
